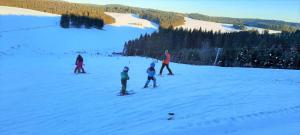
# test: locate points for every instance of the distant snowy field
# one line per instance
(215, 27)
(4, 10)
(40, 95)
(131, 20)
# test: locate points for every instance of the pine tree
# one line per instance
(65, 21)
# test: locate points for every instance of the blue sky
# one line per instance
(287, 10)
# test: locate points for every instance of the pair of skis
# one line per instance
(131, 92)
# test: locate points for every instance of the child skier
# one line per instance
(124, 78)
(79, 65)
(151, 75)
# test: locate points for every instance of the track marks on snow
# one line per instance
(294, 110)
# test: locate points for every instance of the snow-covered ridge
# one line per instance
(130, 20)
(215, 27)
(4, 10)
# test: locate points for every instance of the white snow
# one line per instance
(40, 95)
(130, 20)
(191, 24)
(4, 10)
(46, 35)
(204, 25)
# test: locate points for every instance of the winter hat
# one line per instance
(152, 64)
(126, 69)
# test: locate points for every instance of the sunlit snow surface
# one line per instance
(192, 24)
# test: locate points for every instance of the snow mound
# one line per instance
(130, 20)
(4, 10)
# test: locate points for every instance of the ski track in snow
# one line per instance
(39, 93)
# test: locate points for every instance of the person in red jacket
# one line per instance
(165, 63)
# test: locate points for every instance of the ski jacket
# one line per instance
(151, 72)
(79, 60)
(166, 58)
(124, 76)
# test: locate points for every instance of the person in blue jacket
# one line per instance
(124, 78)
(151, 75)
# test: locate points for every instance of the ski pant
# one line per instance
(163, 66)
(78, 69)
(124, 85)
(148, 81)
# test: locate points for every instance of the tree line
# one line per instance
(239, 26)
(77, 21)
(61, 7)
(239, 49)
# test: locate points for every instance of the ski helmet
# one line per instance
(126, 69)
(152, 64)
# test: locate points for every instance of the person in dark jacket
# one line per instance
(124, 78)
(79, 65)
(165, 63)
(151, 75)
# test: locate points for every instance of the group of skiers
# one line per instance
(124, 74)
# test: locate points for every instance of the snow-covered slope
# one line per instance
(205, 25)
(40, 95)
(46, 33)
(131, 20)
(4, 10)
(215, 27)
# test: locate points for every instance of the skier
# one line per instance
(124, 78)
(151, 75)
(165, 62)
(79, 65)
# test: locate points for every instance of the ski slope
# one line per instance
(45, 34)
(5, 10)
(40, 95)
(191, 24)
(130, 20)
